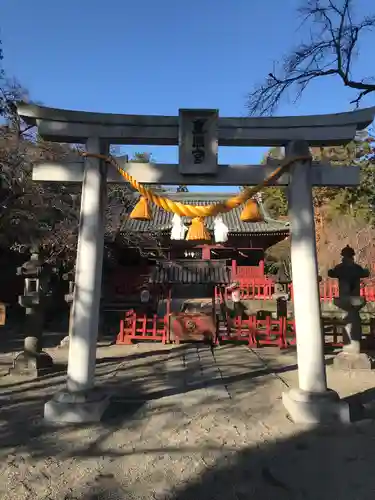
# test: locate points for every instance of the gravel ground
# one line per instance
(185, 423)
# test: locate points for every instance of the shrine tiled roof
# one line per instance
(162, 220)
(188, 272)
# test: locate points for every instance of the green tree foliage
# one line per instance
(29, 212)
(46, 214)
(142, 158)
(274, 198)
(358, 202)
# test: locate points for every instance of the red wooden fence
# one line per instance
(255, 332)
(265, 332)
(281, 332)
(263, 289)
(135, 327)
(245, 273)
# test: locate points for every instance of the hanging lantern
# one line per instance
(220, 230)
(142, 210)
(178, 228)
(251, 212)
(198, 231)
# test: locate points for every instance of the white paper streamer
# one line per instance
(220, 230)
(178, 228)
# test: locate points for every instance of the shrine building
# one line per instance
(242, 255)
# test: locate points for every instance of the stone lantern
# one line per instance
(33, 361)
(349, 275)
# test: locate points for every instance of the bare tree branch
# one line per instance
(332, 47)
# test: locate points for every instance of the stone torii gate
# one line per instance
(198, 134)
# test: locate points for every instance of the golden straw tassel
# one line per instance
(142, 210)
(251, 212)
(198, 230)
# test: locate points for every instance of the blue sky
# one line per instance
(154, 57)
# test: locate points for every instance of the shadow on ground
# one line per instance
(22, 402)
(21, 415)
(320, 463)
(316, 464)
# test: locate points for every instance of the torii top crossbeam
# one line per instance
(77, 126)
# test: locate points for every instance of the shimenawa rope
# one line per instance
(199, 210)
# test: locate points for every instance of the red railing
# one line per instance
(264, 288)
(255, 332)
(134, 328)
(282, 332)
(245, 273)
(257, 288)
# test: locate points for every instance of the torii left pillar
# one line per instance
(80, 401)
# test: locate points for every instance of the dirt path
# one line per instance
(185, 423)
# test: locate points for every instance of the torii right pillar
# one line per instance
(312, 402)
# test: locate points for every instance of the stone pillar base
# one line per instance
(75, 408)
(316, 408)
(31, 365)
(352, 361)
(65, 341)
(100, 343)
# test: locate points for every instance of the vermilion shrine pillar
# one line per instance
(206, 252)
